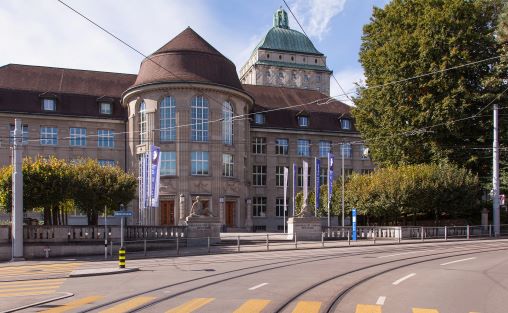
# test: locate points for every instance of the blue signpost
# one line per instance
(354, 224)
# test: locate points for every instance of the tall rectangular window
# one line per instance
(299, 182)
(199, 163)
(106, 108)
(364, 152)
(345, 123)
(279, 207)
(346, 150)
(49, 135)
(25, 134)
(259, 145)
(324, 148)
(303, 147)
(259, 175)
(227, 165)
(167, 112)
(281, 146)
(77, 136)
(199, 119)
(168, 163)
(259, 206)
(279, 176)
(323, 176)
(259, 118)
(106, 162)
(105, 138)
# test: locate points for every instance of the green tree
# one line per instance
(409, 38)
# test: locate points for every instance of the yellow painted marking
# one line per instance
(19, 294)
(368, 308)
(31, 282)
(307, 307)
(419, 310)
(73, 304)
(128, 305)
(191, 306)
(29, 288)
(252, 306)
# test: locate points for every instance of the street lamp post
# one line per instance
(122, 208)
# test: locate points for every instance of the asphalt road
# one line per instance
(450, 277)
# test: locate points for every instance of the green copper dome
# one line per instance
(281, 38)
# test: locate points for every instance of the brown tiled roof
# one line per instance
(63, 80)
(324, 112)
(188, 58)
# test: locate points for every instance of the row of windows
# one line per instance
(77, 136)
(259, 207)
(49, 104)
(199, 120)
(292, 58)
(199, 163)
(303, 121)
(294, 76)
(303, 147)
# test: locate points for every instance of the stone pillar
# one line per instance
(176, 211)
(221, 210)
(248, 217)
(181, 220)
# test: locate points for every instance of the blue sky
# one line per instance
(44, 32)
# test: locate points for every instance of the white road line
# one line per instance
(457, 261)
(398, 281)
(402, 253)
(381, 300)
(258, 286)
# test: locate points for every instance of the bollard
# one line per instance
(421, 233)
(238, 243)
(446, 233)
(267, 242)
(467, 232)
(144, 247)
(121, 257)
(111, 251)
(348, 239)
(374, 235)
(322, 239)
(177, 245)
(208, 245)
(296, 242)
(490, 230)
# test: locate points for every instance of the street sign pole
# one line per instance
(17, 194)
(354, 224)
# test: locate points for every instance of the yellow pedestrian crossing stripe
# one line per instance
(191, 306)
(418, 310)
(37, 271)
(128, 305)
(29, 287)
(368, 308)
(252, 306)
(73, 304)
(307, 307)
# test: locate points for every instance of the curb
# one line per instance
(100, 272)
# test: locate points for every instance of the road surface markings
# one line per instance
(128, 305)
(38, 270)
(73, 304)
(398, 281)
(258, 286)
(191, 306)
(402, 253)
(252, 306)
(307, 307)
(381, 300)
(31, 287)
(457, 261)
(368, 308)
(419, 310)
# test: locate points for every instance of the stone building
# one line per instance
(222, 137)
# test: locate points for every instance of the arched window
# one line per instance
(143, 124)
(199, 119)
(167, 119)
(227, 123)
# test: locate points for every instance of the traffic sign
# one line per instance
(123, 213)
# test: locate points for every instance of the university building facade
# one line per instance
(223, 137)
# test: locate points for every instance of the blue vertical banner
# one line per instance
(354, 224)
(330, 176)
(294, 189)
(155, 175)
(317, 166)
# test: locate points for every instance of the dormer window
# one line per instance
(345, 123)
(259, 118)
(268, 56)
(106, 108)
(49, 104)
(303, 121)
(280, 57)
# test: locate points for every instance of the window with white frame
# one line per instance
(25, 133)
(167, 118)
(106, 162)
(105, 138)
(281, 146)
(303, 121)
(323, 176)
(259, 206)
(259, 175)
(346, 150)
(168, 163)
(279, 176)
(49, 104)
(259, 118)
(303, 147)
(199, 119)
(279, 207)
(106, 108)
(143, 124)
(259, 145)
(325, 147)
(227, 123)
(364, 152)
(77, 136)
(199, 163)
(49, 135)
(227, 165)
(300, 177)
(345, 123)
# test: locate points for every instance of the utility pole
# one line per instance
(17, 194)
(495, 173)
(342, 190)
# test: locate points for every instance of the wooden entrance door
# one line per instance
(230, 213)
(167, 212)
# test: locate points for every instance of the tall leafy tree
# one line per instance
(409, 38)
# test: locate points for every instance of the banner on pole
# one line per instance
(305, 180)
(330, 176)
(155, 175)
(317, 166)
(293, 204)
(353, 212)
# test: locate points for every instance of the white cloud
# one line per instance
(315, 15)
(347, 79)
